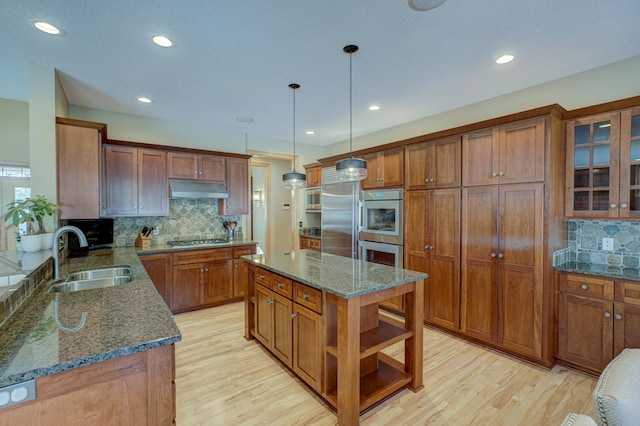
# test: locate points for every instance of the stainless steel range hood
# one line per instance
(181, 189)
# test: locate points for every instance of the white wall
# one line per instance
(14, 131)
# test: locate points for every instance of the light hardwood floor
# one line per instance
(221, 379)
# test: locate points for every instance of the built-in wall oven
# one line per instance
(381, 235)
(386, 254)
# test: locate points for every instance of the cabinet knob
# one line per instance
(618, 316)
(280, 285)
(270, 302)
(501, 174)
(201, 270)
(426, 181)
(206, 269)
(426, 247)
(494, 174)
(430, 247)
(262, 277)
(493, 255)
(431, 180)
(612, 206)
(293, 315)
(584, 286)
(500, 256)
(305, 297)
(607, 315)
(623, 206)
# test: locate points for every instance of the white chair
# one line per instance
(616, 397)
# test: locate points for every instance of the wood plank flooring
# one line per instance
(221, 379)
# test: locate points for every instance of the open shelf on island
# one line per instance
(386, 334)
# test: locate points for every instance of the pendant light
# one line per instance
(293, 179)
(351, 169)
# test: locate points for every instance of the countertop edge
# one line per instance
(600, 270)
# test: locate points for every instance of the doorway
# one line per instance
(260, 200)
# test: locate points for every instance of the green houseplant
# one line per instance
(30, 211)
(40, 208)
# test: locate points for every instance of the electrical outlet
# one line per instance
(155, 230)
(607, 244)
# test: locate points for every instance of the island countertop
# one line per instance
(47, 335)
(338, 275)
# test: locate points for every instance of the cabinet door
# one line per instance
(282, 329)
(153, 197)
(158, 266)
(593, 166)
(240, 277)
(585, 333)
(182, 165)
(630, 163)
(304, 243)
(121, 185)
(307, 352)
(444, 270)
(417, 170)
(218, 281)
(416, 242)
(522, 152)
(237, 186)
(264, 316)
(375, 170)
(520, 263)
(187, 286)
(446, 163)
(212, 168)
(393, 167)
(479, 251)
(78, 164)
(626, 326)
(480, 158)
(314, 176)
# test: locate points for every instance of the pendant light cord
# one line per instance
(350, 106)
(294, 129)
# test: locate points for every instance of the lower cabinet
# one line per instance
(307, 354)
(158, 266)
(310, 243)
(597, 319)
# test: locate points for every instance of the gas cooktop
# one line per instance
(192, 243)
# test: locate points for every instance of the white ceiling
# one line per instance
(236, 57)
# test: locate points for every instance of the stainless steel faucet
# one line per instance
(56, 246)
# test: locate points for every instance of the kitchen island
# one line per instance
(318, 314)
(104, 356)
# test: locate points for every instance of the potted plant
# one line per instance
(40, 208)
(20, 212)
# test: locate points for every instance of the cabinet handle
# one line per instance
(501, 174)
(493, 255)
(270, 302)
(431, 180)
(305, 297)
(494, 174)
(426, 180)
(500, 256)
(584, 286)
(293, 315)
(280, 285)
(262, 277)
(618, 316)
(607, 315)
(426, 247)
(236, 265)
(206, 269)
(613, 205)
(623, 206)
(201, 270)
(430, 247)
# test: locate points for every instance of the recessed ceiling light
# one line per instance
(244, 119)
(46, 27)
(424, 5)
(505, 59)
(374, 107)
(310, 132)
(162, 41)
(144, 100)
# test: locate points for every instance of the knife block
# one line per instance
(143, 241)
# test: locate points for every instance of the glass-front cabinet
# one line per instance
(603, 165)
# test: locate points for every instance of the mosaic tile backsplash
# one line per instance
(585, 242)
(188, 219)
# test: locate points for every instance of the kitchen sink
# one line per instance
(93, 279)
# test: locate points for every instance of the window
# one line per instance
(14, 170)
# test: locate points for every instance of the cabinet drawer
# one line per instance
(195, 256)
(242, 251)
(263, 277)
(307, 296)
(314, 243)
(281, 285)
(587, 286)
(628, 292)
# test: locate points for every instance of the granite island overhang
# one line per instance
(318, 314)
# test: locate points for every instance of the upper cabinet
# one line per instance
(135, 182)
(432, 165)
(603, 165)
(78, 166)
(384, 168)
(238, 187)
(513, 153)
(210, 168)
(314, 175)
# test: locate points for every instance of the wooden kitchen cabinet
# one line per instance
(385, 169)
(432, 245)
(434, 164)
(158, 267)
(502, 266)
(310, 243)
(274, 323)
(79, 163)
(183, 165)
(307, 351)
(314, 175)
(241, 270)
(237, 180)
(603, 165)
(513, 153)
(135, 182)
(597, 319)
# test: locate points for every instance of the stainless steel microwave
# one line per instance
(313, 197)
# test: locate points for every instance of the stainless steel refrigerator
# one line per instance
(340, 218)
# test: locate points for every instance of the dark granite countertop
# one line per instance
(47, 335)
(607, 271)
(163, 248)
(342, 276)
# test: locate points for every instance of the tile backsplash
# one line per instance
(188, 219)
(585, 242)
